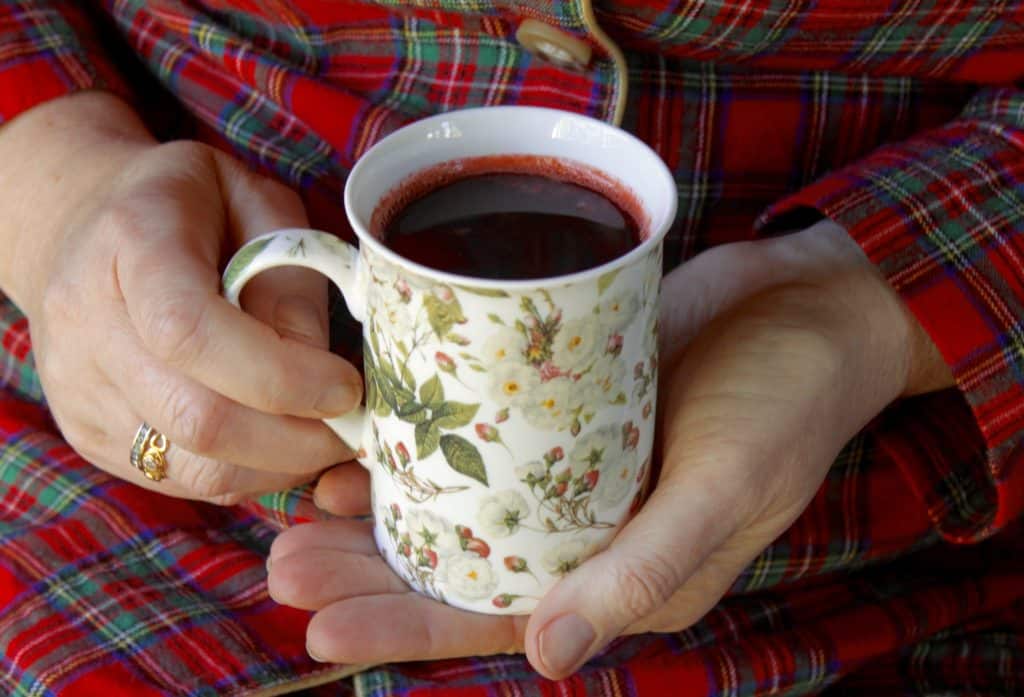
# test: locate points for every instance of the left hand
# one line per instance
(792, 345)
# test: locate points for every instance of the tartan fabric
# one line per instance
(786, 643)
(971, 41)
(110, 589)
(942, 215)
(48, 49)
(875, 113)
(18, 371)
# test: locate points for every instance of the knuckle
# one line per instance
(58, 301)
(173, 329)
(195, 421)
(230, 499)
(122, 218)
(184, 148)
(277, 393)
(52, 372)
(191, 155)
(645, 584)
(207, 479)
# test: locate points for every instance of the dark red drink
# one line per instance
(509, 217)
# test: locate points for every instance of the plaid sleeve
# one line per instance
(47, 50)
(942, 215)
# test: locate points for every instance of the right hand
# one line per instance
(120, 282)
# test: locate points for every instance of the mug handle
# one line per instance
(320, 251)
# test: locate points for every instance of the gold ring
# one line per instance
(148, 450)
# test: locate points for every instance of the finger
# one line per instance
(170, 288)
(716, 280)
(648, 561)
(184, 322)
(315, 577)
(254, 204)
(187, 475)
(106, 444)
(706, 286)
(703, 590)
(737, 450)
(291, 300)
(220, 482)
(351, 536)
(344, 490)
(201, 421)
(407, 627)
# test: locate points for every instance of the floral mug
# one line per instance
(508, 425)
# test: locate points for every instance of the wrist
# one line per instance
(57, 160)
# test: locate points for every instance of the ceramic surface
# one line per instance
(508, 426)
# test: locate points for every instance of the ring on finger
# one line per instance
(148, 453)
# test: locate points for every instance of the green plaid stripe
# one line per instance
(927, 37)
(477, 64)
(994, 656)
(917, 29)
(846, 544)
(693, 111)
(121, 591)
(17, 368)
(48, 32)
(44, 493)
(568, 15)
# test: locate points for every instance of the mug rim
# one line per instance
(362, 231)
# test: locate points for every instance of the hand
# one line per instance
(792, 345)
(117, 272)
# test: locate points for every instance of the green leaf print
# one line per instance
(427, 439)
(412, 412)
(407, 377)
(387, 372)
(374, 341)
(441, 315)
(432, 393)
(243, 259)
(452, 415)
(372, 394)
(605, 280)
(403, 397)
(463, 457)
(374, 399)
(385, 395)
(381, 407)
(335, 244)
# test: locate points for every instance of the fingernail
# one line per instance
(564, 643)
(318, 498)
(299, 318)
(336, 400)
(268, 564)
(314, 656)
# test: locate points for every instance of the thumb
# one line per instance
(716, 280)
(292, 300)
(649, 560)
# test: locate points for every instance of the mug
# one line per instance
(508, 425)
